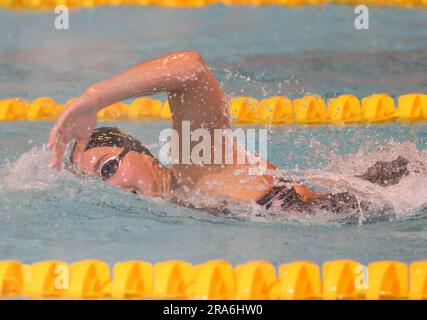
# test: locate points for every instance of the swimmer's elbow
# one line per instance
(195, 63)
(192, 56)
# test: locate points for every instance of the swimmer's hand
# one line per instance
(182, 72)
(76, 122)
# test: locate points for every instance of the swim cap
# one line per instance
(114, 137)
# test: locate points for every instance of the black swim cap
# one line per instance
(114, 137)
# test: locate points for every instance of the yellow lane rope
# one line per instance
(49, 4)
(216, 279)
(275, 110)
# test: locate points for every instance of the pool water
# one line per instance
(257, 52)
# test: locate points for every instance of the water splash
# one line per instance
(408, 198)
(405, 199)
(30, 171)
(28, 185)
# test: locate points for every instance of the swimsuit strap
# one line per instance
(174, 182)
(283, 193)
(268, 198)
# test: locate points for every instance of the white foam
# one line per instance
(407, 197)
(30, 171)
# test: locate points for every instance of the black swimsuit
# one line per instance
(289, 200)
(384, 173)
(282, 193)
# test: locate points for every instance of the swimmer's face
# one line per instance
(136, 172)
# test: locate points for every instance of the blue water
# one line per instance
(253, 51)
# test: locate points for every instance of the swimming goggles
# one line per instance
(109, 167)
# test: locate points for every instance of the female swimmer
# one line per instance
(194, 97)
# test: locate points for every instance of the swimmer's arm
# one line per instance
(175, 72)
(183, 75)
